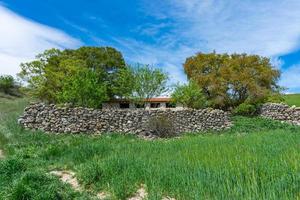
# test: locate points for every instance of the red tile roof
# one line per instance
(157, 99)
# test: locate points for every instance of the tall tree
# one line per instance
(229, 80)
(46, 75)
(84, 89)
(148, 82)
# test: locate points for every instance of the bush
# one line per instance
(161, 126)
(245, 109)
(190, 96)
(8, 85)
(276, 98)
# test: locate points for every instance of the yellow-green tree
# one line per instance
(229, 80)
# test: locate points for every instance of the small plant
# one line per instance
(276, 98)
(161, 126)
(245, 109)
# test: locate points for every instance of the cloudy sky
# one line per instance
(162, 33)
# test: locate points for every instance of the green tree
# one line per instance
(229, 80)
(7, 83)
(47, 74)
(189, 95)
(84, 89)
(34, 73)
(124, 83)
(148, 82)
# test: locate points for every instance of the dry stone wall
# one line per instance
(281, 112)
(51, 118)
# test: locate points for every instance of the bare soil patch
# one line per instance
(1, 154)
(140, 194)
(103, 195)
(67, 177)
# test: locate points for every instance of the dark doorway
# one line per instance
(124, 105)
(154, 105)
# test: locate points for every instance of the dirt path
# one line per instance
(69, 178)
(140, 194)
(1, 154)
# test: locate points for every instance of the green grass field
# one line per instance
(256, 159)
(292, 99)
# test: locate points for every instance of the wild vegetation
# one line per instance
(189, 95)
(88, 76)
(9, 86)
(256, 159)
(230, 80)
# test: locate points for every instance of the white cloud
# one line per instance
(264, 27)
(21, 39)
(169, 60)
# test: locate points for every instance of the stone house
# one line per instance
(161, 102)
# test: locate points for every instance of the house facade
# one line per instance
(152, 103)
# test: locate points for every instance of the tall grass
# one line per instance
(256, 159)
(292, 99)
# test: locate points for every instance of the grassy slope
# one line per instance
(292, 99)
(257, 159)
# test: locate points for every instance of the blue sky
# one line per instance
(162, 33)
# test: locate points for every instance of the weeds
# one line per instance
(255, 159)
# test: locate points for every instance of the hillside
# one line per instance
(292, 99)
(256, 159)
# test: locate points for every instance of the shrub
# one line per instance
(189, 95)
(245, 109)
(161, 126)
(8, 85)
(276, 98)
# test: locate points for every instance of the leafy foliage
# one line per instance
(51, 74)
(229, 80)
(189, 95)
(90, 75)
(35, 73)
(84, 89)
(148, 82)
(245, 109)
(124, 84)
(8, 85)
(276, 98)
